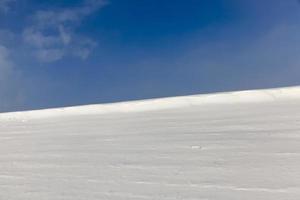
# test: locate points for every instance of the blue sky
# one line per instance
(62, 53)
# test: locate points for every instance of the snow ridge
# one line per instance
(246, 96)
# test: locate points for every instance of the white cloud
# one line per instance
(48, 18)
(52, 33)
(40, 40)
(84, 48)
(49, 55)
(64, 36)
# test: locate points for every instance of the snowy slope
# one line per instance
(230, 146)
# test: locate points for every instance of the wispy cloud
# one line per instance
(52, 34)
(5, 63)
(7, 37)
(48, 35)
(10, 92)
(5, 5)
(267, 60)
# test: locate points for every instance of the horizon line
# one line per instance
(229, 97)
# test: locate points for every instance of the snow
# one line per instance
(224, 146)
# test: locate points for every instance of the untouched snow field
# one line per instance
(227, 146)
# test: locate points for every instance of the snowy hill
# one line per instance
(236, 145)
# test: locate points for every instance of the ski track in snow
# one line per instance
(192, 149)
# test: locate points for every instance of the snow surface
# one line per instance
(226, 146)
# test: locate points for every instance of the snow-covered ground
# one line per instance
(226, 146)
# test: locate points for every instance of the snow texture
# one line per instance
(225, 146)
